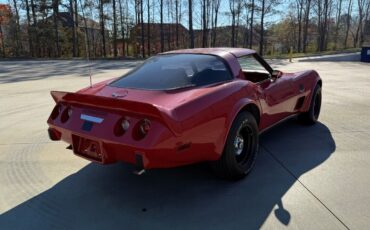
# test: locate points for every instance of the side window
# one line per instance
(250, 64)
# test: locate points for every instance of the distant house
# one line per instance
(85, 26)
(172, 40)
(223, 36)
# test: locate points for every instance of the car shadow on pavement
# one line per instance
(191, 197)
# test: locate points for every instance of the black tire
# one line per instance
(312, 115)
(235, 163)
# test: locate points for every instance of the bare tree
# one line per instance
(17, 29)
(216, 8)
(233, 11)
(148, 28)
(75, 19)
(30, 43)
(74, 44)
(55, 6)
(177, 22)
(204, 23)
(359, 37)
(191, 32)
(122, 26)
(251, 25)
(323, 17)
(262, 26)
(339, 13)
(161, 26)
(299, 4)
(306, 23)
(102, 27)
(142, 28)
(114, 28)
(348, 23)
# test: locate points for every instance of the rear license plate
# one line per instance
(87, 148)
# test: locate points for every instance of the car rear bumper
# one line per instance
(105, 151)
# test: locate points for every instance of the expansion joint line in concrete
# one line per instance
(308, 190)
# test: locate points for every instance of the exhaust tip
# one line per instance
(139, 164)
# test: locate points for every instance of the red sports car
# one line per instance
(183, 107)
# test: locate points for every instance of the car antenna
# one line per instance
(87, 47)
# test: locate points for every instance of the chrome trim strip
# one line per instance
(91, 118)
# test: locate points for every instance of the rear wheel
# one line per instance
(240, 150)
(312, 115)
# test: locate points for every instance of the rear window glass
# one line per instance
(174, 71)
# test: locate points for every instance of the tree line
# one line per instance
(102, 28)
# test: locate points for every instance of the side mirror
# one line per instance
(276, 74)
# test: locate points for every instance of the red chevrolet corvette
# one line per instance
(183, 107)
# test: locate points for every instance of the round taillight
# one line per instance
(67, 113)
(125, 124)
(145, 126)
(122, 126)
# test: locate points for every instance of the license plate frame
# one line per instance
(87, 148)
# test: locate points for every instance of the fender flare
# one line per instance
(237, 108)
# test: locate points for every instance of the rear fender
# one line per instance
(238, 107)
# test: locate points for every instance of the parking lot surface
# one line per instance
(305, 177)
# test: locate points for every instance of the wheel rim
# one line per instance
(243, 144)
(317, 105)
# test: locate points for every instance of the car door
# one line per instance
(276, 95)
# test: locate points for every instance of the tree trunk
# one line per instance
(75, 18)
(204, 16)
(348, 23)
(191, 32)
(148, 29)
(30, 44)
(251, 27)
(214, 29)
(34, 29)
(102, 27)
(17, 29)
(262, 29)
(114, 28)
(161, 27)
(74, 44)
(56, 32)
(142, 28)
(177, 22)
(238, 12)
(122, 26)
(305, 30)
(337, 24)
(232, 11)
(299, 39)
(2, 41)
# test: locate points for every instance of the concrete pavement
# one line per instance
(305, 177)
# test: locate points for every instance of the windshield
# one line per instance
(174, 71)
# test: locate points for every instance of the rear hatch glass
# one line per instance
(174, 71)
